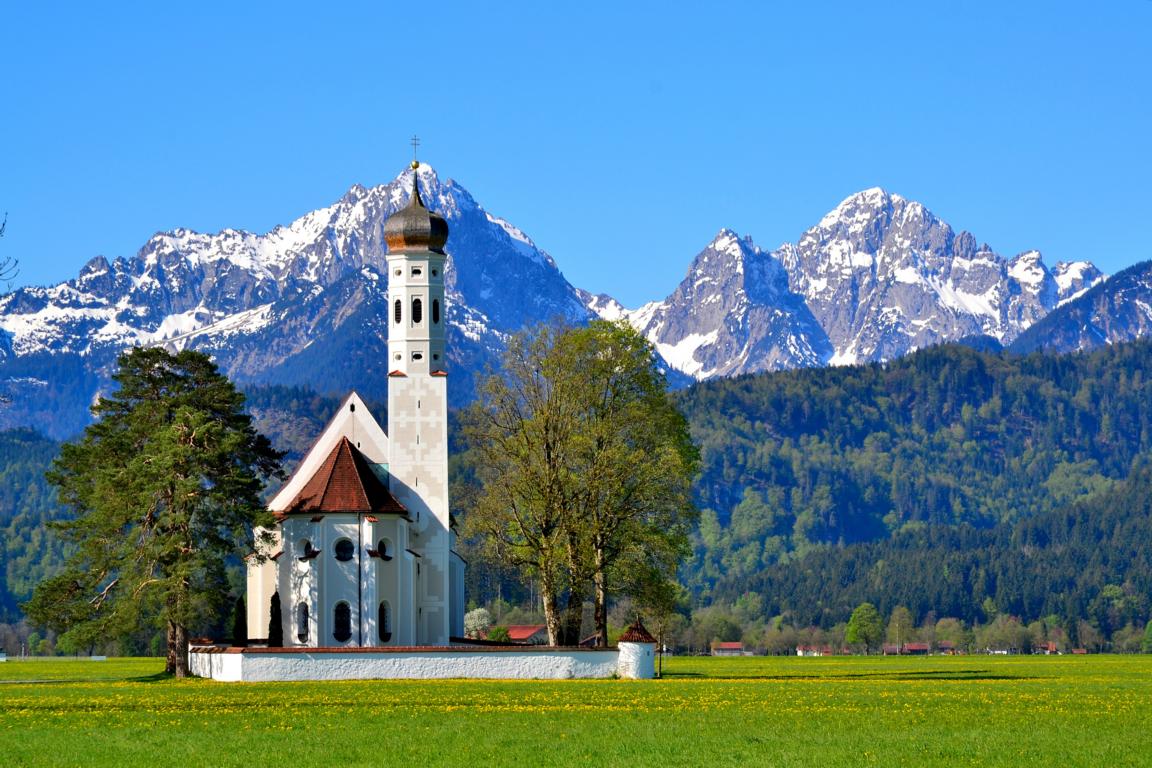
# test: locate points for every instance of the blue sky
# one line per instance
(620, 138)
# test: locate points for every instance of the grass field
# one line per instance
(985, 711)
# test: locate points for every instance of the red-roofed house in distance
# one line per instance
(531, 634)
(728, 649)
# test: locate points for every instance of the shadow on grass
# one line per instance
(159, 677)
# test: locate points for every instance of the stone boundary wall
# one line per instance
(417, 663)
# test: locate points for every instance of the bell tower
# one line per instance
(418, 402)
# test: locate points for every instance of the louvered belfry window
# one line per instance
(417, 311)
(397, 308)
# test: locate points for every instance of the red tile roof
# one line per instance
(345, 482)
(737, 646)
(637, 634)
(524, 631)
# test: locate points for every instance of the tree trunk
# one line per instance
(551, 610)
(600, 583)
(181, 633)
(573, 617)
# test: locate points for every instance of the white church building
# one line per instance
(364, 564)
(365, 553)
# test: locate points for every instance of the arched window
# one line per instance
(417, 311)
(384, 549)
(384, 621)
(396, 310)
(435, 311)
(302, 622)
(342, 622)
(344, 549)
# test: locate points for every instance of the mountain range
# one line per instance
(877, 277)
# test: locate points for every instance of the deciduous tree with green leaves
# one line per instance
(865, 628)
(583, 468)
(165, 486)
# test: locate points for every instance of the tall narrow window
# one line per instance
(396, 310)
(435, 311)
(384, 621)
(417, 311)
(342, 622)
(302, 622)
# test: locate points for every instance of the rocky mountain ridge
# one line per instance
(877, 277)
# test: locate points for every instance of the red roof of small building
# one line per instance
(345, 482)
(737, 646)
(637, 634)
(524, 631)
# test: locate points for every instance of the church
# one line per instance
(364, 553)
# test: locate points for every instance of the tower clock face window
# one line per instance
(397, 310)
(435, 311)
(417, 311)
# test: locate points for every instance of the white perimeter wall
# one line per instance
(558, 664)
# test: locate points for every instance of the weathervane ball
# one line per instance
(415, 164)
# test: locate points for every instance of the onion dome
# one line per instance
(414, 227)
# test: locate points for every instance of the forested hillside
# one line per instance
(948, 436)
(1089, 560)
(954, 482)
(28, 550)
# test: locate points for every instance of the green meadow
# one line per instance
(953, 711)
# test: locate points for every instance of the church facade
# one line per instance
(365, 548)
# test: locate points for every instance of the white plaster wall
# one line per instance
(638, 660)
(225, 667)
(427, 665)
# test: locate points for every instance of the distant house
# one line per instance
(946, 647)
(813, 650)
(915, 649)
(728, 649)
(530, 634)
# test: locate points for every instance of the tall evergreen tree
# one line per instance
(165, 487)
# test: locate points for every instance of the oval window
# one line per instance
(417, 311)
(435, 310)
(342, 621)
(345, 549)
(416, 271)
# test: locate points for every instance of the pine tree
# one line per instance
(165, 486)
(275, 623)
(240, 624)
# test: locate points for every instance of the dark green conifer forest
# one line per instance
(984, 488)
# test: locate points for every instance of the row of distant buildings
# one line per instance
(944, 648)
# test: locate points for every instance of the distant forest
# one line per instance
(977, 486)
